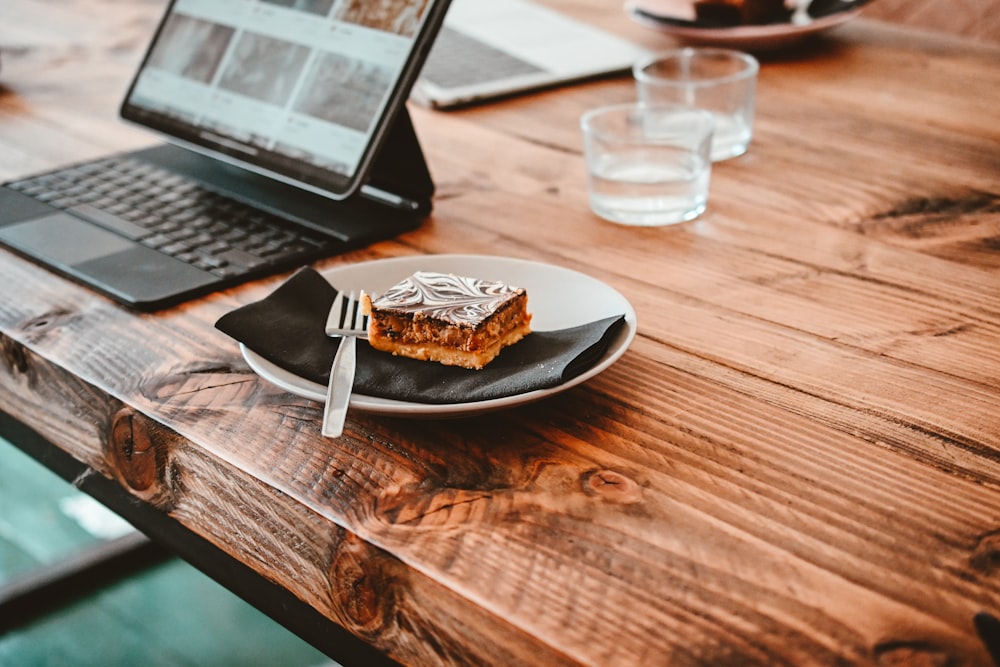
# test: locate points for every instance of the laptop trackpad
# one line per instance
(62, 238)
(118, 266)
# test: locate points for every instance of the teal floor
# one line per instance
(167, 615)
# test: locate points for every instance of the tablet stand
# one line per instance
(400, 168)
(397, 192)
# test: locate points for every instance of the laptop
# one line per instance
(494, 48)
(286, 140)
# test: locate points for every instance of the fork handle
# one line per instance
(338, 392)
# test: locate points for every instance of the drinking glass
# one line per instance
(647, 164)
(722, 81)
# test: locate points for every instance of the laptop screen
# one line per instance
(296, 89)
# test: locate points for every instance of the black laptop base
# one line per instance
(160, 226)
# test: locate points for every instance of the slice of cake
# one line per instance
(451, 319)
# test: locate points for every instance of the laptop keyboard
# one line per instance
(175, 215)
(458, 60)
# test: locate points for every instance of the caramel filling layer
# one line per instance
(416, 335)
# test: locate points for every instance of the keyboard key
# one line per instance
(237, 257)
(109, 221)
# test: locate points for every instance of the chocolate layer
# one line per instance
(455, 300)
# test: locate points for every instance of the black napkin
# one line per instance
(287, 329)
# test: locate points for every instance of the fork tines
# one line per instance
(345, 318)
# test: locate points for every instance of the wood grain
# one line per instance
(797, 462)
(977, 19)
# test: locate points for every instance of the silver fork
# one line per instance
(346, 321)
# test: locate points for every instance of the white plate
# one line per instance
(558, 298)
(769, 37)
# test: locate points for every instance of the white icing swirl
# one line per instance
(444, 296)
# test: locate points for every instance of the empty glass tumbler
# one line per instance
(722, 81)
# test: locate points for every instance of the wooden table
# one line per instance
(796, 462)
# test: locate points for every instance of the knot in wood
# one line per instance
(612, 486)
(912, 654)
(13, 355)
(132, 453)
(362, 592)
(985, 557)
